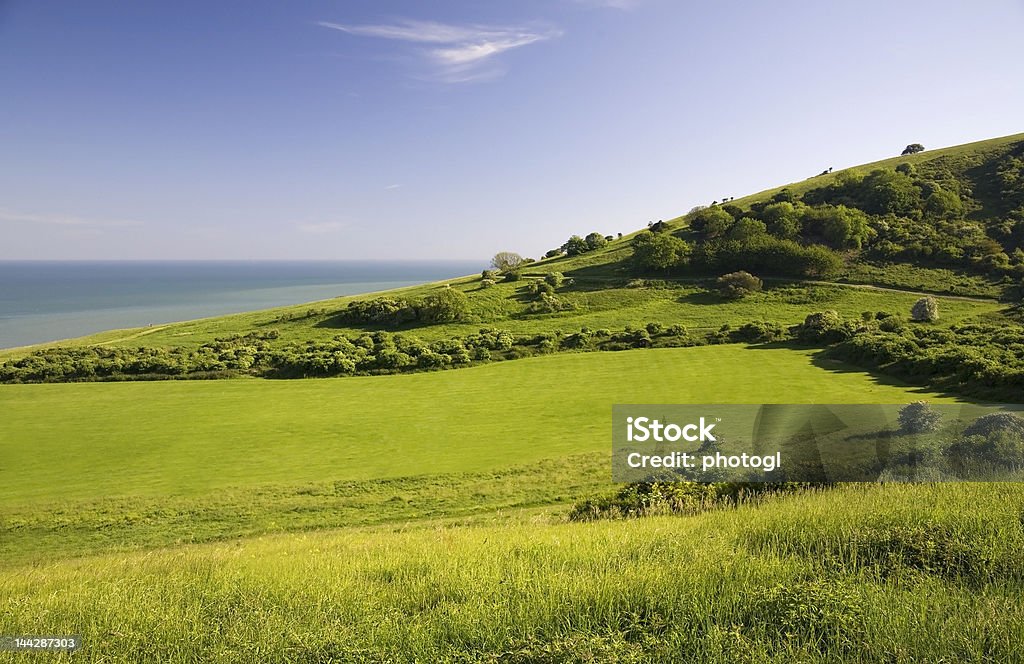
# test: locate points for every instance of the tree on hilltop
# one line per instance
(913, 148)
(506, 261)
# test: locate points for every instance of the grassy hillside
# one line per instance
(426, 515)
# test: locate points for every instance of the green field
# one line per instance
(250, 456)
(894, 574)
(428, 515)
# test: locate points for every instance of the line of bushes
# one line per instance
(368, 354)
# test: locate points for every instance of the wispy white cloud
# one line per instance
(392, 186)
(65, 220)
(461, 53)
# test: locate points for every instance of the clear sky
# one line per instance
(454, 129)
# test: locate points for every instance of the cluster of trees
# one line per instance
(728, 241)
(919, 214)
(445, 305)
(577, 245)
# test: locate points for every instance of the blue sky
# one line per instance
(411, 129)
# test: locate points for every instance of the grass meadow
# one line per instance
(860, 573)
(91, 466)
(422, 517)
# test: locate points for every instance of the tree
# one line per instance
(658, 251)
(575, 246)
(506, 261)
(445, 306)
(746, 228)
(711, 222)
(738, 284)
(913, 148)
(919, 417)
(943, 204)
(925, 310)
(782, 219)
(595, 241)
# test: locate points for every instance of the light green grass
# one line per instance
(74, 440)
(710, 588)
(95, 466)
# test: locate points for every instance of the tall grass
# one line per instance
(714, 587)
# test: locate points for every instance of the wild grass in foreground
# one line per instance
(927, 573)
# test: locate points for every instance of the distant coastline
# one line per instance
(42, 301)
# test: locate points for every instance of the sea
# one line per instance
(44, 301)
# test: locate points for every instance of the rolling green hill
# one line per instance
(388, 511)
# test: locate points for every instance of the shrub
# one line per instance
(758, 332)
(554, 279)
(995, 422)
(738, 284)
(918, 417)
(925, 310)
(822, 326)
(486, 283)
(445, 305)
(514, 275)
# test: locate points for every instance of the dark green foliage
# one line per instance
(995, 423)
(759, 332)
(595, 241)
(223, 357)
(385, 311)
(942, 204)
(824, 327)
(918, 417)
(746, 228)
(913, 148)
(514, 275)
(766, 255)
(710, 222)
(659, 252)
(979, 359)
(736, 285)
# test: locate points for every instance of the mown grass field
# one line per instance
(94, 466)
(64, 441)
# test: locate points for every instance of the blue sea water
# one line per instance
(50, 300)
